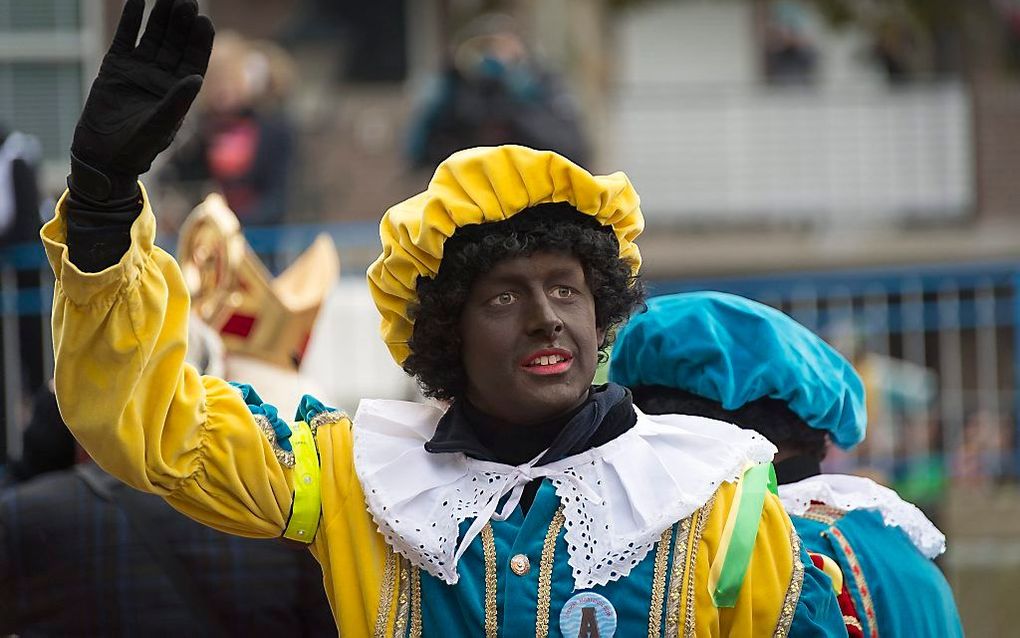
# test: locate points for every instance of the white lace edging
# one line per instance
(617, 499)
(850, 493)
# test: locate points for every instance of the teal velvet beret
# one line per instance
(734, 351)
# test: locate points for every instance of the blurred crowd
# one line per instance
(240, 142)
(122, 562)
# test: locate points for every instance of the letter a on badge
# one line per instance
(589, 625)
(588, 615)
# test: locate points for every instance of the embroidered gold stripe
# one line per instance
(404, 601)
(415, 603)
(489, 552)
(859, 580)
(325, 418)
(382, 617)
(659, 583)
(285, 458)
(692, 561)
(824, 513)
(676, 576)
(545, 574)
(792, 591)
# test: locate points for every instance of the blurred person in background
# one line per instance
(736, 360)
(20, 155)
(493, 91)
(20, 220)
(976, 462)
(82, 554)
(897, 47)
(242, 142)
(904, 448)
(45, 448)
(920, 475)
(790, 55)
(1009, 12)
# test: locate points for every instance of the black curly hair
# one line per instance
(771, 418)
(435, 358)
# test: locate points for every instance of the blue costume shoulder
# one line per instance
(897, 591)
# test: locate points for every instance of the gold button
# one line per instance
(520, 564)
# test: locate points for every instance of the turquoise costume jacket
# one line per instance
(459, 610)
(897, 591)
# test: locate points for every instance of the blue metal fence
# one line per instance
(953, 327)
(21, 304)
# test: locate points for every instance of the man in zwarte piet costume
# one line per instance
(736, 360)
(535, 504)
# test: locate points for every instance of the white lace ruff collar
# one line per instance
(850, 493)
(617, 498)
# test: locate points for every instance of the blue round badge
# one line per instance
(588, 615)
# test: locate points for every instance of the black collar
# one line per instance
(797, 468)
(606, 414)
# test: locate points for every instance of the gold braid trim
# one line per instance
(823, 513)
(692, 561)
(545, 574)
(792, 591)
(859, 580)
(382, 617)
(489, 552)
(285, 458)
(676, 576)
(415, 603)
(404, 601)
(325, 418)
(659, 583)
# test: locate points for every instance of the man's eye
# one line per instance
(563, 292)
(503, 299)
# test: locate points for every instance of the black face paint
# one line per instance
(529, 338)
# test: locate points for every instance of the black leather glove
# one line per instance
(139, 98)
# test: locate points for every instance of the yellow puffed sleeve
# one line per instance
(772, 582)
(147, 417)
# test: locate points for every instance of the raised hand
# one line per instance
(140, 97)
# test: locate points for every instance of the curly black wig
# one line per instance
(771, 418)
(435, 358)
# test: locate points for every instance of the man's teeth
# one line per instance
(546, 360)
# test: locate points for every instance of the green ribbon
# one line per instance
(757, 480)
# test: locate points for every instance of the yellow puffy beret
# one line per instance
(477, 186)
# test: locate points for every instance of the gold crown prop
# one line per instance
(233, 291)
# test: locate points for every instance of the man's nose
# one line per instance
(543, 319)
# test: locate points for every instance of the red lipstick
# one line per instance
(547, 361)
